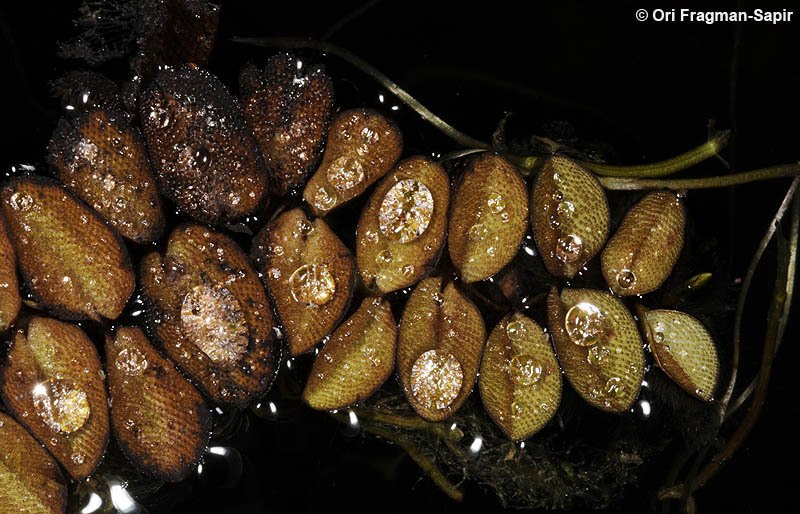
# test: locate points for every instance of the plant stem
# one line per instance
(632, 184)
(410, 423)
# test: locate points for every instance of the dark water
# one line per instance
(638, 92)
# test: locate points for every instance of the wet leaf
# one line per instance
(159, 419)
(402, 230)
(641, 254)
(362, 147)
(598, 346)
(520, 381)
(30, 480)
(288, 106)
(86, 90)
(69, 259)
(569, 215)
(102, 159)
(208, 310)
(357, 359)
(53, 383)
(205, 157)
(309, 274)
(439, 348)
(489, 217)
(10, 300)
(683, 348)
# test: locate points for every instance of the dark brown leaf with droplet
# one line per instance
(357, 359)
(641, 254)
(402, 230)
(209, 312)
(69, 259)
(569, 215)
(53, 383)
(86, 90)
(309, 274)
(439, 349)
(489, 217)
(598, 346)
(362, 147)
(683, 348)
(30, 481)
(289, 107)
(204, 154)
(10, 299)
(101, 158)
(520, 381)
(159, 419)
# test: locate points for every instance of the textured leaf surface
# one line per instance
(159, 419)
(10, 300)
(309, 273)
(209, 311)
(53, 383)
(489, 217)
(598, 346)
(439, 349)
(357, 359)
(69, 258)
(402, 230)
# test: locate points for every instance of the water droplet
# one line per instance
(324, 199)
(496, 202)
(436, 379)
(304, 227)
(406, 211)
(516, 330)
(408, 270)
(524, 370)
(61, 404)
(516, 409)
(558, 195)
(477, 232)
(201, 159)
(213, 317)
(78, 458)
(370, 351)
(384, 257)
(584, 324)
(565, 209)
(131, 362)
(614, 387)
(568, 248)
(626, 279)
(345, 172)
(491, 251)
(598, 355)
(21, 201)
(312, 284)
(371, 236)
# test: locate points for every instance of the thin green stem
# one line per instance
(633, 184)
(410, 423)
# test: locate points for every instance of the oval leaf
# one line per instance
(357, 359)
(362, 147)
(684, 349)
(204, 154)
(30, 480)
(489, 218)
(641, 254)
(288, 106)
(102, 159)
(70, 260)
(569, 214)
(159, 419)
(439, 348)
(309, 274)
(209, 311)
(401, 232)
(10, 299)
(520, 381)
(53, 383)
(598, 346)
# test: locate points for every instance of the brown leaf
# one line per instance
(159, 419)
(289, 107)
(30, 480)
(209, 311)
(362, 147)
(10, 300)
(70, 260)
(309, 274)
(402, 230)
(489, 217)
(683, 348)
(204, 154)
(439, 348)
(102, 159)
(357, 359)
(569, 215)
(598, 346)
(53, 383)
(641, 254)
(520, 381)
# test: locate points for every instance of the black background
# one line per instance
(646, 89)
